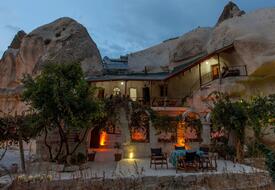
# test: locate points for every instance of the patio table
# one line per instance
(179, 153)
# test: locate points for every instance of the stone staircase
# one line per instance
(107, 151)
(110, 140)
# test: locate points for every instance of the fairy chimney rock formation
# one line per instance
(230, 10)
(62, 41)
(16, 42)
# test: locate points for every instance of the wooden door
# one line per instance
(95, 137)
(215, 71)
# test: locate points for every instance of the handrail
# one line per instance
(162, 102)
(232, 71)
(167, 102)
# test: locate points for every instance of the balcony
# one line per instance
(207, 78)
(166, 102)
(166, 106)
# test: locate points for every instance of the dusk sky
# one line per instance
(118, 26)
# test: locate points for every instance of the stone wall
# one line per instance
(53, 139)
(257, 181)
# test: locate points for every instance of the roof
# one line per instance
(185, 64)
(133, 77)
(115, 64)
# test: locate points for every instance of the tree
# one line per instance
(231, 116)
(64, 101)
(261, 115)
(16, 128)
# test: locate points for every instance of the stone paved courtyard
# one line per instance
(123, 168)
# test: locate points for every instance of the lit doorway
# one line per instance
(215, 71)
(133, 94)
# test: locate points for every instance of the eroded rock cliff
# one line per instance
(61, 41)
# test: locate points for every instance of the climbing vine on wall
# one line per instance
(165, 123)
(140, 126)
(269, 159)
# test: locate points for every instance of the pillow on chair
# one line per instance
(179, 148)
(156, 151)
(205, 150)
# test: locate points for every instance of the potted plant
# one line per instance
(91, 156)
(118, 154)
(81, 158)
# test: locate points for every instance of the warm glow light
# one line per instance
(103, 137)
(181, 136)
(122, 83)
(131, 155)
(207, 62)
(138, 136)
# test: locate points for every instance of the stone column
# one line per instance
(205, 133)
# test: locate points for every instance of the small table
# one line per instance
(181, 153)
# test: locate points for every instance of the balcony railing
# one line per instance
(232, 71)
(167, 102)
(162, 102)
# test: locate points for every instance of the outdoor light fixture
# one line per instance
(131, 155)
(122, 83)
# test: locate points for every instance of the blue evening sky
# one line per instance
(118, 26)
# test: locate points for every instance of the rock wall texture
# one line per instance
(257, 181)
(61, 41)
(252, 35)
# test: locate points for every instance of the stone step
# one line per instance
(104, 154)
(111, 139)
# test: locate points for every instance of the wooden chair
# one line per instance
(208, 162)
(158, 158)
(180, 163)
(189, 161)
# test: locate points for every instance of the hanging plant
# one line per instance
(139, 126)
(194, 123)
(165, 123)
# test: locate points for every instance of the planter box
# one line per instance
(91, 156)
(118, 157)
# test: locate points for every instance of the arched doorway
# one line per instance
(116, 91)
(95, 137)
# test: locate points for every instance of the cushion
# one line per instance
(156, 151)
(204, 149)
(179, 148)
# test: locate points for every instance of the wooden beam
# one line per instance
(200, 74)
(219, 63)
(125, 88)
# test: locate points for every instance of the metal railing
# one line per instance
(161, 102)
(167, 102)
(232, 71)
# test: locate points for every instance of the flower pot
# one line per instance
(118, 157)
(14, 168)
(91, 156)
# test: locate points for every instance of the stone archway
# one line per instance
(95, 137)
(184, 132)
(206, 129)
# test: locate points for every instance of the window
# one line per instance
(133, 94)
(100, 93)
(163, 90)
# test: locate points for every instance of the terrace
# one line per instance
(138, 169)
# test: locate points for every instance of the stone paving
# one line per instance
(111, 169)
(142, 167)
